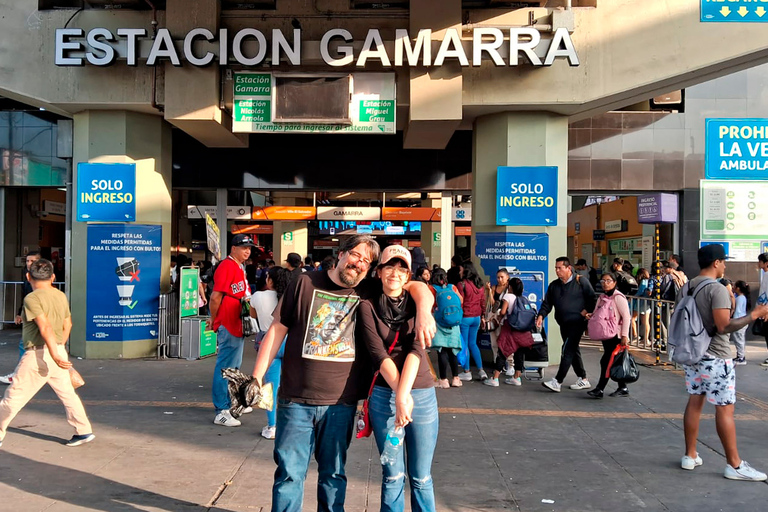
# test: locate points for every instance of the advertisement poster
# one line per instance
(188, 292)
(123, 284)
(212, 235)
(523, 255)
(734, 210)
(106, 192)
(526, 196)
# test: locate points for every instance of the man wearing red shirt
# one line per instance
(230, 287)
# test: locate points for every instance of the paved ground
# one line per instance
(503, 448)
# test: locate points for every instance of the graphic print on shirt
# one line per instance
(330, 332)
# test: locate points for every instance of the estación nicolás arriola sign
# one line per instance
(102, 47)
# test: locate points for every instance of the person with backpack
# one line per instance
(572, 298)
(626, 283)
(471, 288)
(609, 323)
(698, 338)
(518, 319)
(448, 314)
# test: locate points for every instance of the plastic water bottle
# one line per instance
(393, 445)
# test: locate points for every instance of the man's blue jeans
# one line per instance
(420, 442)
(469, 327)
(230, 356)
(326, 431)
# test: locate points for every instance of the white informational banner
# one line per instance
(648, 253)
(233, 212)
(734, 210)
(348, 213)
(613, 226)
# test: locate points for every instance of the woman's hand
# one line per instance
(624, 341)
(403, 410)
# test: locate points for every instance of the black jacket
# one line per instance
(569, 300)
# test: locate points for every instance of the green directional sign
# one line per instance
(377, 111)
(188, 295)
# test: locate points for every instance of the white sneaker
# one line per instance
(744, 472)
(552, 385)
(442, 384)
(268, 432)
(466, 376)
(247, 410)
(689, 463)
(6, 379)
(514, 381)
(581, 384)
(510, 371)
(225, 419)
(481, 375)
(494, 383)
(764, 363)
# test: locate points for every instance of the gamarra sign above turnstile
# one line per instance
(201, 47)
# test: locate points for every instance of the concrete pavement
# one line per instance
(505, 448)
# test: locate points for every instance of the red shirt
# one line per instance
(229, 279)
(474, 299)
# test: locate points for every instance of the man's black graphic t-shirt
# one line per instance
(323, 363)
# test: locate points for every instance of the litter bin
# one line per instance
(195, 341)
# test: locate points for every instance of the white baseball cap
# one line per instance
(395, 252)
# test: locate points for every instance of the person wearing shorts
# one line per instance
(713, 379)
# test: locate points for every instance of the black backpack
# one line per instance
(626, 284)
(522, 318)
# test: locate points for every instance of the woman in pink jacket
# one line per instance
(615, 300)
(471, 289)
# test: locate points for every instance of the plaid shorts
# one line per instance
(714, 377)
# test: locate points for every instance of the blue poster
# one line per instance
(523, 255)
(526, 196)
(736, 149)
(123, 284)
(106, 192)
(743, 11)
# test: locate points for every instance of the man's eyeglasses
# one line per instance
(359, 257)
(400, 271)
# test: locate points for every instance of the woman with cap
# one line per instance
(403, 393)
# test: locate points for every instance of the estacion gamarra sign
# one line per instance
(102, 47)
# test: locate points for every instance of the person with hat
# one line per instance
(230, 288)
(713, 379)
(403, 392)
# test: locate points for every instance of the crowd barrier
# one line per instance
(168, 337)
(650, 321)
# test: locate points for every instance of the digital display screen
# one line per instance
(351, 227)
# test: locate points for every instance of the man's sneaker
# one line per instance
(552, 385)
(481, 375)
(620, 392)
(744, 472)
(466, 376)
(514, 381)
(247, 410)
(581, 384)
(268, 432)
(764, 363)
(510, 371)
(739, 361)
(6, 379)
(78, 440)
(225, 419)
(690, 463)
(494, 383)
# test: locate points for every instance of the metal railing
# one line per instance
(168, 339)
(11, 299)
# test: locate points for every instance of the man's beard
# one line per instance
(348, 279)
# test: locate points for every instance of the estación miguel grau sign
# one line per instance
(201, 47)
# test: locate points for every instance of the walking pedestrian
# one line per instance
(743, 304)
(572, 298)
(471, 289)
(46, 324)
(609, 323)
(713, 379)
(26, 289)
(230, 289)
(403, 395)
(762, 293)
(494, 304)
(325, 372)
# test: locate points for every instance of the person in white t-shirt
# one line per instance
(263, 304)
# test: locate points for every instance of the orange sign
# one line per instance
(256, 229)
(414, 243)
(463, 230)
(283, 213)
(418, 214)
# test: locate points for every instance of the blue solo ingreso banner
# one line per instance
(736, 149)
(526, 196)
(106, 192)
(123, 284)
(523, 255)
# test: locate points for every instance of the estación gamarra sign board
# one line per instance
(102, 47)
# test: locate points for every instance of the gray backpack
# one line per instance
(688, 338)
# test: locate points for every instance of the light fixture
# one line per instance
(345, 194)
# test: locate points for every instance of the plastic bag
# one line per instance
(75, 377)
(624, 368)
(463, 357)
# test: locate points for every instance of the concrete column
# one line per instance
(121, 137)
(289, 237)
(446, 230)
(521, 139)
